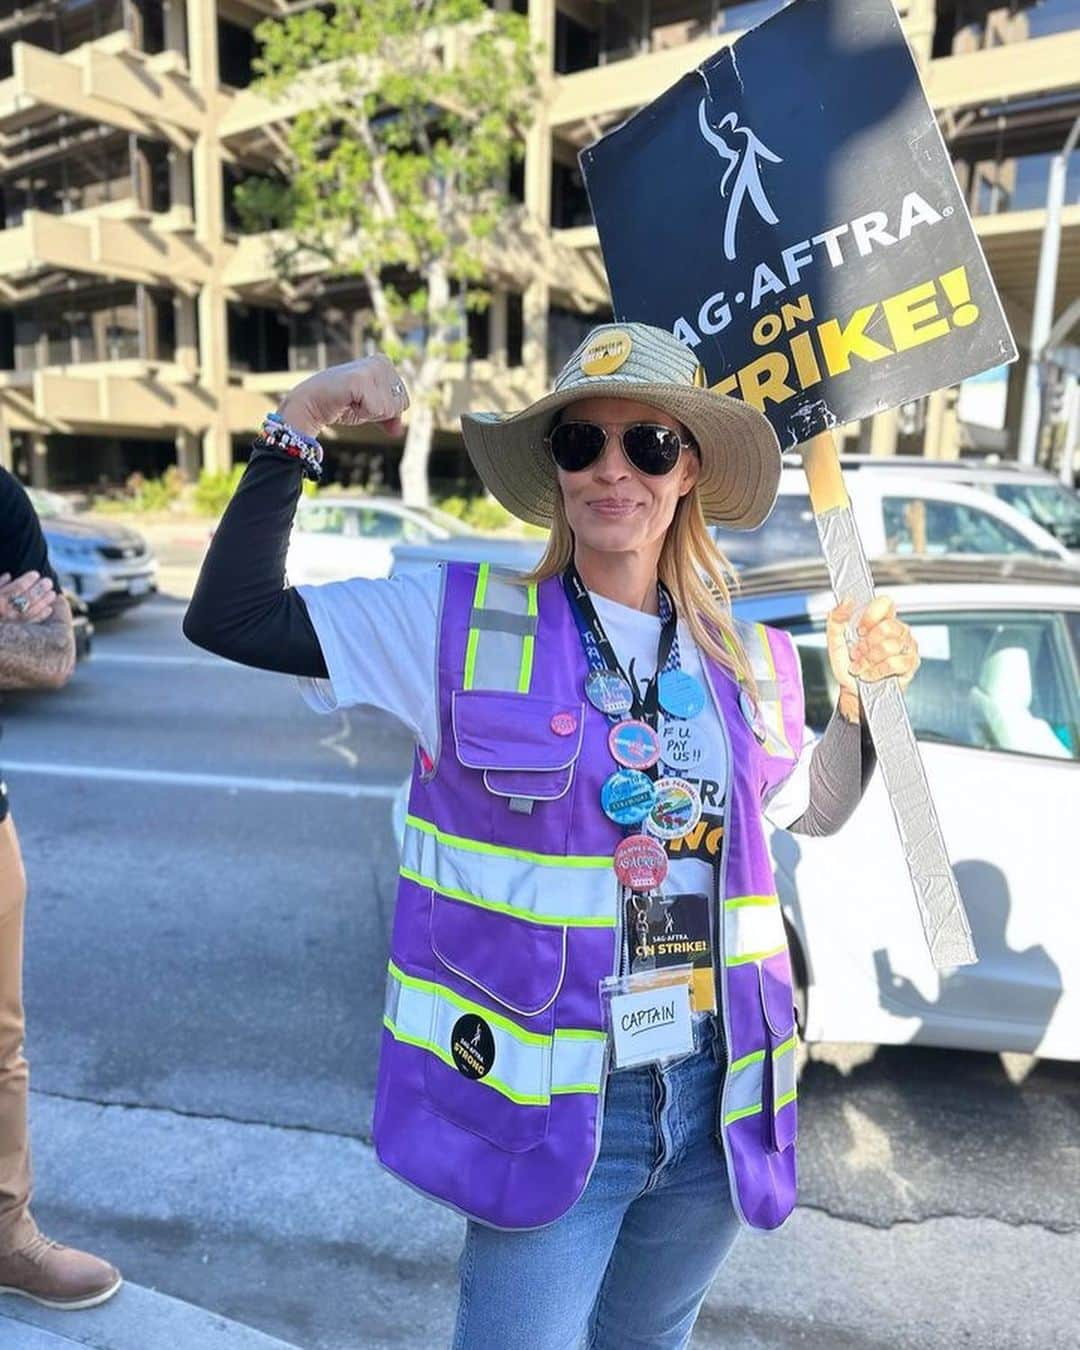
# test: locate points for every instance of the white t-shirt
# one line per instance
(379, 641)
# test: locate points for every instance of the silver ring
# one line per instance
(397, 388)
(20, 603)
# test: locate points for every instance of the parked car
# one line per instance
(897, 513)
(1035, 493)
(995, 707)
(337, 536)
(108, 566)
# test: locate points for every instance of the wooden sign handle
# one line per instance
(941, 908)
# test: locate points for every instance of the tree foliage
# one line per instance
(411, 113)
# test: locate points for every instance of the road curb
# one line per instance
(136, 1319)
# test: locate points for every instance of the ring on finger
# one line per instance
(20, 603)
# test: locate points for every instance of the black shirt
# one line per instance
(22, 548)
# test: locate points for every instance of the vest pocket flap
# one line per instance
(777, 1002)
(520, 965)
(778, 1088)
(525, 744)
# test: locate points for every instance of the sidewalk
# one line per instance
(134, 1319)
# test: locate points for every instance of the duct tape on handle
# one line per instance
(941, 908)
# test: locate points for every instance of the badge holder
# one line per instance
(647, 1015)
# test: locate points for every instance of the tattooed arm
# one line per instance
(37, 655)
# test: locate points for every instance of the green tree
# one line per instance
(413, 112)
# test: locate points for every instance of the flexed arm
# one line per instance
(241, 608)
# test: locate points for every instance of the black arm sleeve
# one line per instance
(22, 545)
(241, 608)
(841, 766)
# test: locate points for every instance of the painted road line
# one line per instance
(148, 659)
(230, 782)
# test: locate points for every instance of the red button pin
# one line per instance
(640, 862)
(564, 724)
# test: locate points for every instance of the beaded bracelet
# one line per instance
(278, 435)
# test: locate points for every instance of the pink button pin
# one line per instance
(564, 724)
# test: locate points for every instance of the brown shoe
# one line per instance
(58, 1277)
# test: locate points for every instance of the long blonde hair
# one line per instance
(693, 569)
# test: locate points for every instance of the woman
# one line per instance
(589, 1038)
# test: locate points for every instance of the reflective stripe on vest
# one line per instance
(509, 880)
(502, 634)
(528, 1068)
(755, 642)
(746, 1078)
(753, 928)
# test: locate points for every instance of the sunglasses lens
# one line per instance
(575, 445)
(652, 449)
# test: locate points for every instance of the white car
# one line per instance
(898, 513)
(337, 536)
(1035, 493)
(995, 707)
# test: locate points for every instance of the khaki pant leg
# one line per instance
(16, 1226)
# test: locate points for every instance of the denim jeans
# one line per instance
(629, 1265)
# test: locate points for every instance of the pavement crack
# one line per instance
(364, 1138)
(914, 1221)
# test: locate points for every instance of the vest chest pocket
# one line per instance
(492, 1021)
(525, 745)
(779, 1109)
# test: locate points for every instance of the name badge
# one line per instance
(649, 1017)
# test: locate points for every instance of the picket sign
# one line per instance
(789, 210)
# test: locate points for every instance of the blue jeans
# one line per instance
(628, 1266)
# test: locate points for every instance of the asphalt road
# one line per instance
(212, 876)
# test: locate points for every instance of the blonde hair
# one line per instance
(693, 569)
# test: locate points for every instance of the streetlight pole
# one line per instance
(1043, 316)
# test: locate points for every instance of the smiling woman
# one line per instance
(598, 744)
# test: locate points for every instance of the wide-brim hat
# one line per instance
(740, 455)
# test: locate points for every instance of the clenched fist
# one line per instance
(366, 390)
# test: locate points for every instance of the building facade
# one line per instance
(139, 327)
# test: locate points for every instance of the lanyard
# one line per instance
(600, 655)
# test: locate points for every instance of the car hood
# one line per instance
(72, 527)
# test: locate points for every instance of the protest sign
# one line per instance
(789, 210)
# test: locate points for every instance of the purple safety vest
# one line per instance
(493, 1064)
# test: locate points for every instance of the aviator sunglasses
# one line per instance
(651, 448)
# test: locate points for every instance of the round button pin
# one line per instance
(608, 691)
(627, 797)
(682, 745)
(634, 745)
(675, 810)
(640, 862)
(681, 695)
(564, 724)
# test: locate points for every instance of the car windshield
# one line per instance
(1052, 505)
(789, 533)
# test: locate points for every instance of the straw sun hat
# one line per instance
(740, 455)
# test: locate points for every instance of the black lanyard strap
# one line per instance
(600, 655)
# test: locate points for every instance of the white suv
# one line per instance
(1035, 493)
(898, 513)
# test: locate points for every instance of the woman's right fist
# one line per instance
(366, 390)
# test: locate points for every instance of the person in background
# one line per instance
(37, 651)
